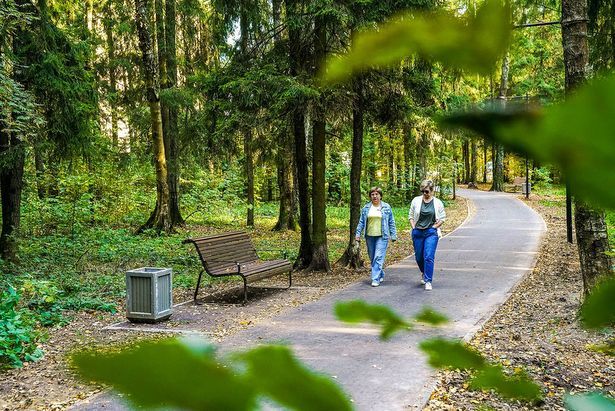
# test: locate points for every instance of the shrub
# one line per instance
(542, 177)
(18, 335)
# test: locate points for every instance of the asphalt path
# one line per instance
(477, 266)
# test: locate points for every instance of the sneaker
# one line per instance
(375, 283)
(427, 286)
(381, 280)
(422, 281)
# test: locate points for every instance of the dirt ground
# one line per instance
(49, 383)
(537, 329)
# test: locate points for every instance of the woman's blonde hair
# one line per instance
(427, 184)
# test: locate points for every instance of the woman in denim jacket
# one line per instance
(426, 216)
(379, 224)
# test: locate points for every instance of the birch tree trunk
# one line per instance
(247, 132)
(473, 162)
(590, 227)
(160, 218)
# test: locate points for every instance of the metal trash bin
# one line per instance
(149, 294)
(523, 188)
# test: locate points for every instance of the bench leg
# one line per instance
(290, 279)
(245, 290)
(198, 283)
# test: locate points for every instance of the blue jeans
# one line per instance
(377, 250)
(425, 243)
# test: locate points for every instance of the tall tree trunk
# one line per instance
(390, 153)
(247, 132)
(473, 162)
(160, 218)
(89, 15)
(161, 47)
(172, 130)
(591, 230)
(420, 172)
(112, 100)
(11, 184)
(352, 256)
(465, 151)
(12, 152)
(284, 162)
(408, 160)
(188, 33)
(484, 161)
(498, 162)
(372, 162)
(39, 166)
(249, 170)
(320, 253)
(294, 36)
(286, 217)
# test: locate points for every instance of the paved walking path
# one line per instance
(477, 266)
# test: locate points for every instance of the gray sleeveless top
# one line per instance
(428, 215)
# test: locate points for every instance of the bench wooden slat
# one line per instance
(232, 249)
(225, 242)
(241, 254)
(220, 252)
(221, 241)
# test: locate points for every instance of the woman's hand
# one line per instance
(357, 239)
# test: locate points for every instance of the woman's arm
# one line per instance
(440, 215)
(360, 226)
(411, 215)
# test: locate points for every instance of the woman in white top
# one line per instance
(426, 216)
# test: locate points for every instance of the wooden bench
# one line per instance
(228, 254)
(519, 184)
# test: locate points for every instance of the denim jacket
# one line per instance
(388, 221)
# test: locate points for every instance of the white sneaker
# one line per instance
(422, 281)
(427, 286)
(375, 283)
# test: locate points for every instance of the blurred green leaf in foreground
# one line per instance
(186, 374)
(444, 353)
(358, 311)
(589, 402)
(275, 372)
(598, 309)
(577, 135)
(441, 352)
(473, 43)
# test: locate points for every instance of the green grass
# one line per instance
(555, 196)
(74, 262)
(86, 267)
